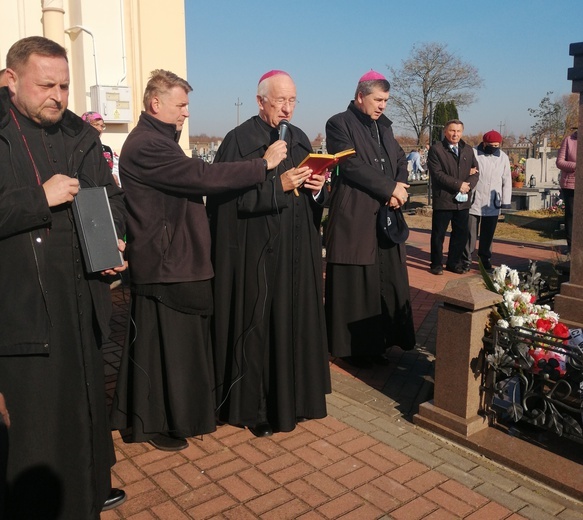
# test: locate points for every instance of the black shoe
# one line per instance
(116, 498)
(466, 269)
(301, 419)
(261, 430)
(457, 269)
(357, 361)
(436, 270)
(168, 443)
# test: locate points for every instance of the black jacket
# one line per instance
(448, 172)
(25, 316)
(168, 232)
(361, 186)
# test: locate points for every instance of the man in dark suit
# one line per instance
(454, 174)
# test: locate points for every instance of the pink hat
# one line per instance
(372, 75)
(271, 73)
(89, 117)
(492, 137)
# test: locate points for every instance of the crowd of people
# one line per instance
(228, 321)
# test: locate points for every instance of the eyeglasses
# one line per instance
(279, 102)
(99, 124)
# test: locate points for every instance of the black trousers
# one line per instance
(459, 235)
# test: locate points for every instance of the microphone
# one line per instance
(283, 131)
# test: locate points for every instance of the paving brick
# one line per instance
(325, 484)
(215, 459)
(441, 514)
(212, 507)
(169, 511)
(394, 488)
(408, 471)
(228, 468)
(455, 459)
(417, 508)
(491, 511)
(199, 496)
(269, 445)
(302, 438)
(127, 472)
(364, 512)
(463, 493)
(312, 457)
(377, 497)
(495, 477)
(360, 476)
(258, 480)
(362, 413)
(135, 505)
(291, 473)
(278, 463)
(321, 428)
(456, 474)
(343, 467)
(449, 502)
(495, 494)
(311, 515)
(341, 505)
(163, 464)
(343, 436)
(250, 453)
(192, 476)
(142, 515)
(231, 436)
(426, 481)
(328, 450)
(389, 453)
(390, 440)
(359, 424)
(422, 456)
(539, 501)
(270, 501)
(361, 443)
(169, 482)
(239, 512)
(532, 512)
(238, 488)
(290, 510)
(306, 492)
(420, 441)
(375, 461)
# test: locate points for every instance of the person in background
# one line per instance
(414, 159)
(55, 315)
(567, 162)
(96, 121)
(269, 328)
(453, 168)
(492, 193)
(165, 388)
(368, 303)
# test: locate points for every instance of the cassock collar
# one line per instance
(366, 120)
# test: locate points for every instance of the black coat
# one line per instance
(168, 234)
(24, 210)
(361, 186)
(269, 328)
(448, 172)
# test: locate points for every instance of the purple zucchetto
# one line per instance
(372, 75)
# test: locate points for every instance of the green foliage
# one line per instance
(442, 114)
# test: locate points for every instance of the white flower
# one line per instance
(514, 278)
(503, 324)
(517, 321)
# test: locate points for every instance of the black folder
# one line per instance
(96, 230)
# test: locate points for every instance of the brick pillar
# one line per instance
(569, 304)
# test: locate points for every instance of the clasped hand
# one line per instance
(399, 195)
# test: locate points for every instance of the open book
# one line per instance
(321, 161)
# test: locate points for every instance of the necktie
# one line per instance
(454, 149)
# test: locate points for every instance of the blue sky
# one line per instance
(520, 48)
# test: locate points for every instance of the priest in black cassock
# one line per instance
(271, 358)
(368, 306)
(54, 315)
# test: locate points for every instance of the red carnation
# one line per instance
(561, 330)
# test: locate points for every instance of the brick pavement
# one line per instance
(365, 460)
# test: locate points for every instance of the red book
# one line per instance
(319, 162)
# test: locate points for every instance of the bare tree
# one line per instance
(550, 122)
(431, 74)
